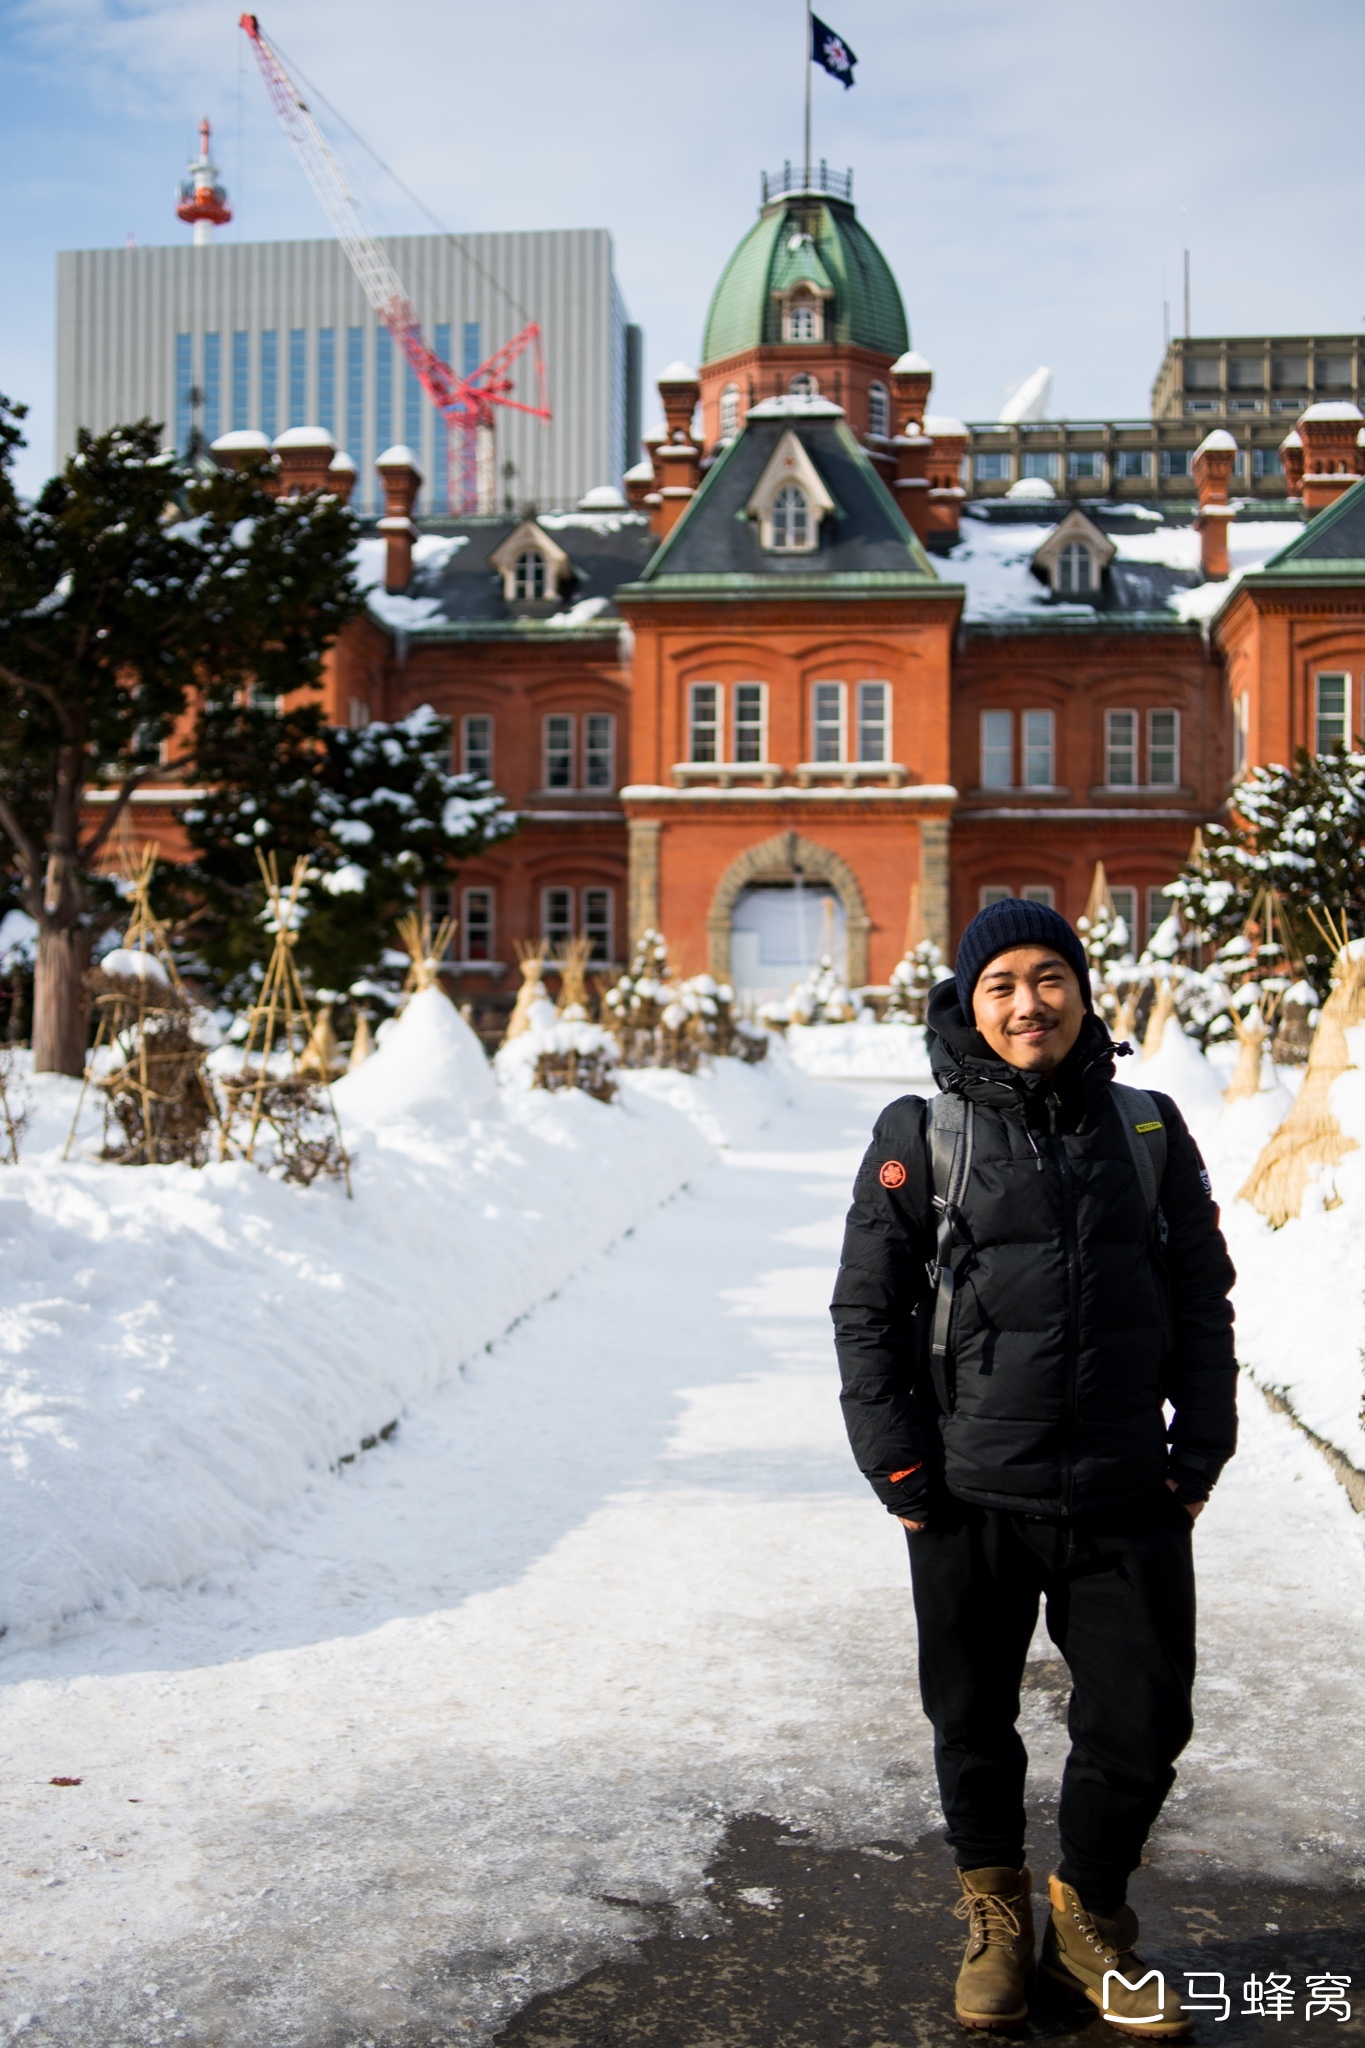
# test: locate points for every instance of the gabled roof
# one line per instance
(456, 592)
(798, 262)
(865, 546)
(1332, 542)
(1075, 526)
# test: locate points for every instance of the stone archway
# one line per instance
(781, 859)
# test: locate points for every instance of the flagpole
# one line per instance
(805, 176)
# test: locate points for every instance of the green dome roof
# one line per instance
(806, 235)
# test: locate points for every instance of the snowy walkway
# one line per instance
(528, 1658)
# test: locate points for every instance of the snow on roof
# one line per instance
(613, 521)
(938, 425)
(1293, 439)
(397, 457)
(1251, 543)
(640, 473)
(911, 362)
(304, 437)
(341, 460)
(1219, 438)
(1031, 487)
(677, 373)
(1332, 409)
(430, 551)
(240, 437)
(602, 498)
(793, 407)
(579, 614)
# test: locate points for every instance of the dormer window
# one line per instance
(529, 574)
(1076, 570)
(803, 319)
(791, 518)
(790, 499)
(878, 410)
(803, 385)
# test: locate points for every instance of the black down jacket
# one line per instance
(1070, 1328)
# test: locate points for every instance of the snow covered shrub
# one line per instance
(911, 981)
(153, 1075)
(822, 998)
(661, 1023)
(555, 1053)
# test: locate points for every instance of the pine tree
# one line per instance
(1300, 831)
(131, 592)
(377, 810)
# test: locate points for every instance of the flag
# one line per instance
(831, 52)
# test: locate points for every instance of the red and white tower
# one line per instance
(201, 199)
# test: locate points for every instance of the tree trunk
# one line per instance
(59, 1001)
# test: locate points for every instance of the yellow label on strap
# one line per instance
(1142, 1129)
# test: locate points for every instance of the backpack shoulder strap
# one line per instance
(1145, 1129)
(950, 1123)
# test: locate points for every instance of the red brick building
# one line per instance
(797, 693)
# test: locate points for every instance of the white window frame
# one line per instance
(867, 721)
(549, 719)
(1093, 458)
(1039, 892)
(1155, 747)
(991, 747)
(1114, 748)
(994, 466)
(1131, 463)
(522, 575)
(992, 892)
(489, 898)
(826, 696)
(782, 537)
(556, 931)
(599, 752)
(1331, 676)
(1044, 463)
(468, 748)
(747, 731)
(1038, 748)
(878, 409)
(729, 412)
(1071, 556)
(1241, 735)
(713, 726)
(593, 926)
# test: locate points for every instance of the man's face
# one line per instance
(1028, 1007)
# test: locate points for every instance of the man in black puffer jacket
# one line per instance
(1025, 1442)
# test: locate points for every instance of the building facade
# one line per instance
(267, 336)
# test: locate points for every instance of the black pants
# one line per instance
(1119, 1588)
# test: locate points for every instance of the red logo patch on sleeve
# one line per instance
(892, 1174)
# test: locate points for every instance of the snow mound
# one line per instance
(863, 1052)
(429, 1066)
(1180, 1070)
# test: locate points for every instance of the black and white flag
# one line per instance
(831, 52)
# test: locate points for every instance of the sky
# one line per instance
(1031, 172)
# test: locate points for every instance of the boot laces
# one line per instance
(991, 1919)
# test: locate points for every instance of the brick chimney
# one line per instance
(639, 482)
(402, 479)
(1331, 451)
(912, 379)
(949, 445)
(677, 460)
(1291, 462)
(1214, 460)
(304, 455)
(341, 475)
(243, 445)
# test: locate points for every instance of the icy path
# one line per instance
(617, 1583)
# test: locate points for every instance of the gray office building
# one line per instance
(270, 335)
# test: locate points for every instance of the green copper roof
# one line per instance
(840, 256)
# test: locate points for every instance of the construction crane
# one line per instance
(468, 404)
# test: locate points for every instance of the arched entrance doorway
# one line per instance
(787, 893)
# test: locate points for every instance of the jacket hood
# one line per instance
(963, 1063)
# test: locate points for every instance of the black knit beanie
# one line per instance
(1014, 921)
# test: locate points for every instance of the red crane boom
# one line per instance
(468, 405)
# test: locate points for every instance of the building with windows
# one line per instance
(802, 690)
(265, 336)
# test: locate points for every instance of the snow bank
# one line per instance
(728, 1101)
(179, 1350)
(865, 1052)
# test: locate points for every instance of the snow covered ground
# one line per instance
(396, 1757)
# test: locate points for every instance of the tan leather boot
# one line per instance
(992, 1985)
(1080, 1949)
